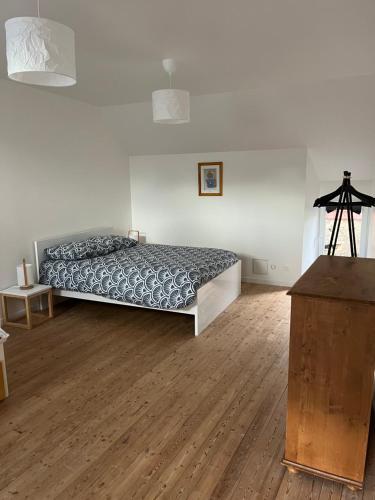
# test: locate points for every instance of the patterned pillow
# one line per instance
(95, 246)
(69, 251)
(103, 245)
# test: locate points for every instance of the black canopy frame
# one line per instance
(345, 201)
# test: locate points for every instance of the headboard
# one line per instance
(41, 245)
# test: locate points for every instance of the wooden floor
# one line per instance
(110, 402)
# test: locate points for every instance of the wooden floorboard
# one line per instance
(108, 402)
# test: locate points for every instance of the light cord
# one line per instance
(38, 8)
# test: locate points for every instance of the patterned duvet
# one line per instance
(160, 276)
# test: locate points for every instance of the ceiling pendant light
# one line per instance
(171, 105)
(40, 51)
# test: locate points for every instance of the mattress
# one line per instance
(159, 276)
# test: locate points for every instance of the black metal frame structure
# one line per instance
(345, 201)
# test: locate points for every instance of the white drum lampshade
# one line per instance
(40, 52)
(171, 106)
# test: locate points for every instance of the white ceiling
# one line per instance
(221, 45)
(280, 73)
(335, 120)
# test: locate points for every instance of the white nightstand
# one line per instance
(27, 296)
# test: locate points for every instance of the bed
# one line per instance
(200, 282)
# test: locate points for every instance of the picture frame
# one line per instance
(210, 178)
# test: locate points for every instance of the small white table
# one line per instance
(27, 296)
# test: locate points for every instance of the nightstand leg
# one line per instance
(28, 313)
(4, 306)
(50, 304)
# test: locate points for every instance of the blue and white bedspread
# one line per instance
(160, 276)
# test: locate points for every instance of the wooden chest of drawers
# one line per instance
(331, 369)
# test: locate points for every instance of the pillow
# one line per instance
(75, 250)
(95, 246)
(103, 245)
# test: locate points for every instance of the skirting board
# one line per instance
(265, 281)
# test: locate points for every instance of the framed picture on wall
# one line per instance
(210, 178)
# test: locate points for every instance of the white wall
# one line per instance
(261, 214)
(60, 172)
(311, 226)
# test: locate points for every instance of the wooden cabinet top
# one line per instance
(344, 278)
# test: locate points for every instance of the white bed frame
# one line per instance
(212, 298)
